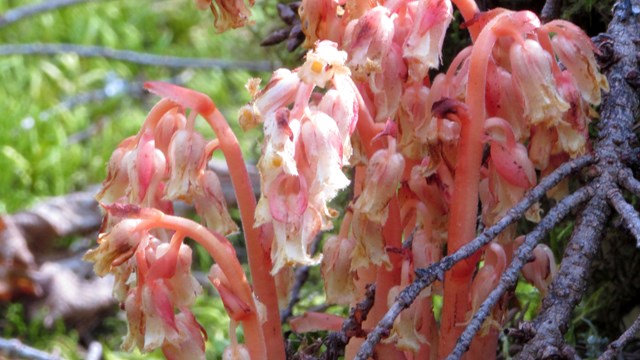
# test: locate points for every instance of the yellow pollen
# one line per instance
(277, 161)
(316, 66)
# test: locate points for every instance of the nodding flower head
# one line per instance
(368, 40)
(187, 158)
(279, 92)
(423, 47)
(576, 52)
(532, 72)
(227, 14)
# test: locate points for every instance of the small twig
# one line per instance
(626, 179)
(14, 348)
(627, 212)
(619, 344)
(17, 14)
(134, 56)
(551, 10)
(352, 326)
(436, 271)
(510, 276)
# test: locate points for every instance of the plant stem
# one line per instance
(259, 257)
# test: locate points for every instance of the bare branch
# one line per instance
(352, 326)
(619, 344)
(437, 270)
(567, 288)
(626, 179)
(17, 14)
(629, 215)
(551, 10)
(14, 348)
(510, 277)
(134, 57)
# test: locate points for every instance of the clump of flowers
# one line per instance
(362, 100)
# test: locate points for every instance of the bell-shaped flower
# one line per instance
(503, 101)
(532, 72)
(488, 277)
(211, 205)
(368, 40)
(117, 181)
(146, 170)
(164, 283)
(187, 158)
(163, 132)
(116, 246)
(423, 47)
(323, 63)
(384, 172)
(236, 308)
(370, 244)
(576, 52)
(341, 105)
(510, 158)
(387, 85)
(404, 332)
(190, 343)
(295, 223)
(336, 270)
(322, 144)
(542, 269)
(227, 14)
(279, 92)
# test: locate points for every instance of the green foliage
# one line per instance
(39, 151)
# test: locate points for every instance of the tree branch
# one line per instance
(134, 57)
(436, 271)
(14, 348)
(629, 215)
(626, 179)
(619, 344)
(522, 255)
(352, 326)
(17, 14)
(551, 10)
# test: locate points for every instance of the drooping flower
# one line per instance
(532, 72)
(187, 158)
(211, 205)
(115, 246)
(227, 14)
(576, 52)
(336, 270)
(423, 47)
(368, 40)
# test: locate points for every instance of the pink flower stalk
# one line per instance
(227, 14)
(423, 47)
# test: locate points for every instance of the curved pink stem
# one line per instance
(259, 257)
